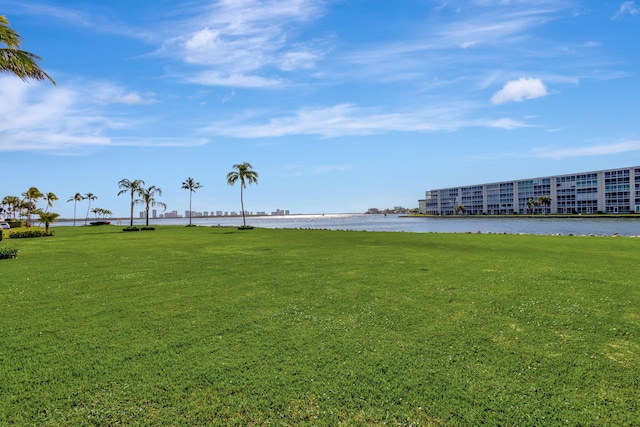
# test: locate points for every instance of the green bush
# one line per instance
(14, 223)
(6, 253)
(30, 233)
(147, 228)
(131, 229)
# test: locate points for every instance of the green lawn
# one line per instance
(215, 326)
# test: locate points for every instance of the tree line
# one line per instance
(25, 207)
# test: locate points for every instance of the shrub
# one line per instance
(14, 223)
(131, 229)
(30, 233)
(147, 228)
(6, 253)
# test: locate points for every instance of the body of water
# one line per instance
(397, 223)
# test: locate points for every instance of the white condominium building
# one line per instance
(605, 191)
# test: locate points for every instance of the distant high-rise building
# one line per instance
(280, 212)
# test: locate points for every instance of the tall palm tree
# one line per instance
(148, 199)
(89, 197)
(244, 173)
(133, 188)
(75, 199)
(11, 202)
(32, 195)
(191, 185)
(15, 61)
(49, 198)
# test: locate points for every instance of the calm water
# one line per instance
(515, 225)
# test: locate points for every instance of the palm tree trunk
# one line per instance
(190, 207)
(244, 222)
(87, 216)
(74, 212)
(131, 223)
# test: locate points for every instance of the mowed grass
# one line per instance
(215, 326)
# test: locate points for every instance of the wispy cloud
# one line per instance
(135, 98)
(507, 123)
(594, 150)
(519, 90)
(39, 117)
(237, 42)
(627, 8)
(351, 120)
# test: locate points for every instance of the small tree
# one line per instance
(89, 197)
(133, 188)
(191, 185)
(147, 198)
(49, 198)
(75, 199)
(544, 201)
(32, 195)
(11, 203)
(47, 218)
(244, 173)
(531, 204)
(459, 209)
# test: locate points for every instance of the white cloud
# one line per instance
(594, 150)
(519, 90)
(159, 142)
(506, 123)
(350, 120)
(628, 7)
(235, 80)
(134, 98)
(40, 117)
(236, 40)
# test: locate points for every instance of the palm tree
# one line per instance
(133, 188)
(49, 198)
(24, 209)
(11, 202)
(47, 218)
(544, 201)
(191, 185)
(147, 198)
(531, 204)
(15, 61)
(89, 197)
(245, 174)
(32, 195)
(75, 199)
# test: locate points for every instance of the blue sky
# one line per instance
(340, 105)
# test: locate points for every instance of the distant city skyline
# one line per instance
(339, 106)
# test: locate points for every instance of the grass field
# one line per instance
(215, 326)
